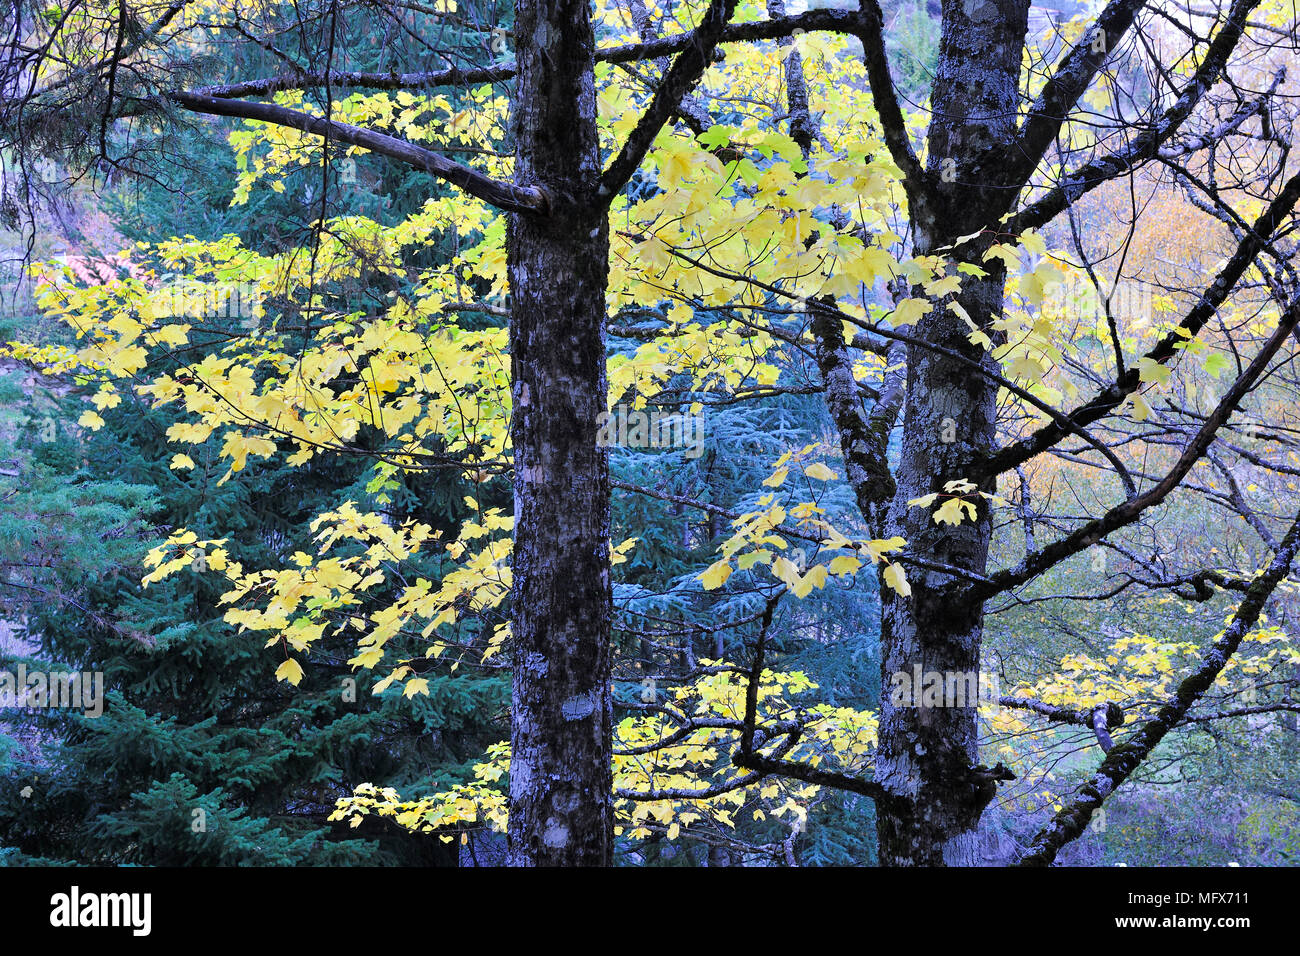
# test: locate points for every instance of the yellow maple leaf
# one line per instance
(716, 575)
(290, 670)
(896, 578)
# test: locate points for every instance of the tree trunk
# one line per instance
(560, 770)
(928, 754)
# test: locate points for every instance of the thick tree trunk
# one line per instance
(560, 773)
(927, 755)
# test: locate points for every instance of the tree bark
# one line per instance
(560, 771)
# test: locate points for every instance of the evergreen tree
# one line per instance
(201, 756)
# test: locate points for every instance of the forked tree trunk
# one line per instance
(927, 756)
(560, 775)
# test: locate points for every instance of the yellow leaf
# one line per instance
(951, 511)
(418, 685)
(815, 578)
(1149, 370)
(1034, 242)
(909, 312)
(844, 564)
(896, 578)
(784, 569)
(871, 262)
(716, 575)
(777, 478)
(674, 165)
(1025, 368)
(1141, 410)
(880, 547)
(1007, 253)
(172, 334)
(290, 670)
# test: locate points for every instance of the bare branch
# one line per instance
(1146, 144)
(1069, 81)
(1071, 820)
(677, 82)
(1213, 297)
(831, 21)
(502, 195)
(1130, 510)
